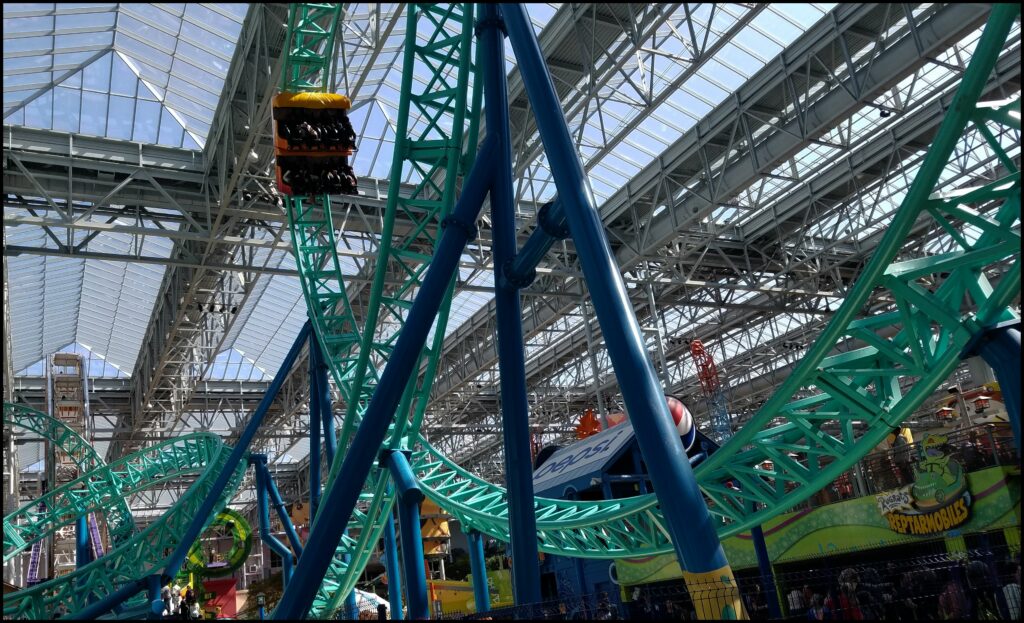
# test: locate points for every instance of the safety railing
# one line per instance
(974, 448)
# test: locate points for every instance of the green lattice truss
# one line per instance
(357, 351)
(106, 487)
(119, 517)
(928, 332)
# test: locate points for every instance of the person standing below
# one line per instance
(818, 611)
(1011, 595)
(191, 605)
(846, 602)
(901, 456)
(982, 603)
(175, 599)
(952, 606)
(165, 597)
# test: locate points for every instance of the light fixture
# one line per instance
(981, 403)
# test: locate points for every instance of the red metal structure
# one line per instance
(707, 373)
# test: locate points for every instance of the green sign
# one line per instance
(937, 501)
(853, 525)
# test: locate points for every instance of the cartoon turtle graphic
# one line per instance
(938, 478)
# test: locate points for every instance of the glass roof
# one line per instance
(144, 72)
(375, 92)
(154, 73)
(55, 301)
(97, 366)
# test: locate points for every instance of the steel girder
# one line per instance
(182, 341)
(729, 133)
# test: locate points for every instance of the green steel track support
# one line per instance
(200, 454)
(120, 524)
(312, 28)
(440, 38)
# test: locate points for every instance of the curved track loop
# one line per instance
(432, 149)
(605, 529)
(201, 454)
(834, 409)
(119, 517)
(853, 385)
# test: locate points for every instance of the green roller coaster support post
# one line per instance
(449, 161)
(354, 353)
(387, 231)
(311, 33)
(476, 109)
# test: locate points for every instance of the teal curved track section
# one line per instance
(355, 349)
(199, 455)
(119, 517)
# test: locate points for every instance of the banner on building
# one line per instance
(938, 500)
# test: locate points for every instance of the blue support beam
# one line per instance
(478, 566)
(391, 566)
(551, 227)
(1000, 348)
(324, 406)
(205, 512)
(409, 498)
(515, 410)
(156, 604)
(351, 605)
(260, 463)
(690, 525)
(764, 563)
(341, 499)
(263, 511)
(639, 470)
(314, 437)
(83, 553)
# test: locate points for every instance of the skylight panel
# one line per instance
(176, 55)
(231, 365)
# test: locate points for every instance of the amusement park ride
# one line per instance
(379, 460)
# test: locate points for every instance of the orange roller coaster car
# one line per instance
(313, 139)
